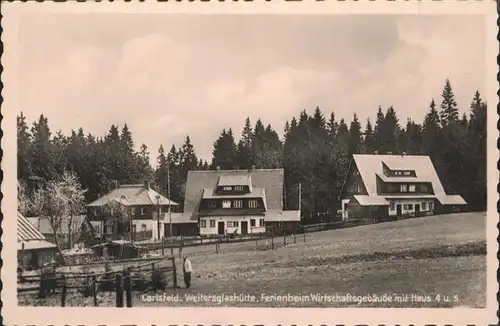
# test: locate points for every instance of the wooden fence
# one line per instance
(89, 284)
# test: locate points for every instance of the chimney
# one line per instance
(375, 152)
(253, 167)
(147, 184)
(217, 168)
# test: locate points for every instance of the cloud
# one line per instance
(167, 78)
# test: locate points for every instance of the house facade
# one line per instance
(235, 201)
(77, 229)
(130, 212)
(393, 187)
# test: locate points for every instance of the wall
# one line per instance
(151, 225)
(409, 201)
(230, 229)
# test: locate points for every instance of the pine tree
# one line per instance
(42, 157)
(145, 171)
(246, 157)
(378, 131)
(449, 110)
(369, 143)
(130, 174)
(23, 150)
(332, 126)
(354, 142)
(224, 152)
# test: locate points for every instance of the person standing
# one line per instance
(188, 269)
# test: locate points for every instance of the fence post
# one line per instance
(162, 246)
(284, 235)
(94, 289)
(175, 271)
(304, 231)
(127, 280)
(119, 290)
(294, 238)
(272, 240)
(63, 293)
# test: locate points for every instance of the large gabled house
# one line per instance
(394, 186)
(233, 202)
(144, 209)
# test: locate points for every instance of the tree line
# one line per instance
(315, 152)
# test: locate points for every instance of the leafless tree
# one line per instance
(58, 201)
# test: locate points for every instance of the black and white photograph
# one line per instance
(259, 160)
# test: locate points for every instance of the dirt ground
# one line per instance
(378, 264)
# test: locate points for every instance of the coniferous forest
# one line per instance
(314, 149)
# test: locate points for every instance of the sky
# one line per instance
(168, 76)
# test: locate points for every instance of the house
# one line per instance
(393, 186)
(81, 229)
(234, 201)
(130, 211)
(32, 248)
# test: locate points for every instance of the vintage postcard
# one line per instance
(206, 163)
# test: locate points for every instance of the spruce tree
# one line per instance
(449, 110)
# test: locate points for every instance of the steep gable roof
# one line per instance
(369, 166)
(135, 194)
(269, 179)
(44, 226)
(28, 236)
(235, 180)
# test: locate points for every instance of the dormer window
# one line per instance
(406, 173)
(227, 188)
(404, 188)
(253, 203)
(238, 188)
(212, 204)
(226, 204)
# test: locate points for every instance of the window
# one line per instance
(397, 173)
(252, 222)
(355, 172)
(431, 205)
(252, 204)
(424, 206)
(238, 204)
(392, 188)
(203, 223)
(261, 222)
(212, 204)
(404, 188)
(408, 207)
(235, 224)
(212, 223)
(143, 227)
(226, 204)
(143, 211)
(411, 188)
(424, 188)
(134, 228)
(391, 206)
(407, 173)
(359, 189)
(97, 228)
(238, 188)
(228, 188)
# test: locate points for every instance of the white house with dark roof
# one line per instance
(143, 204)
(234, 201)
(380, 186)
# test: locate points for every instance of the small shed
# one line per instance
(117, 249)
(33, 250)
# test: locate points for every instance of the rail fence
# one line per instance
(122, 282)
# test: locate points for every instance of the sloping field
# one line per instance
(367, 260)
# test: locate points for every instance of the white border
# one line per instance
(240, 316)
